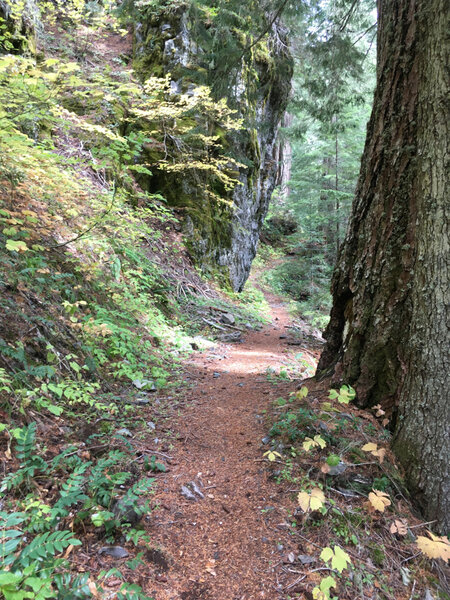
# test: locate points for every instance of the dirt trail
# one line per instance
(229, 545)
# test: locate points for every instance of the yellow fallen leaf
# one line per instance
(374, 450)
(311, 443)
(379, 500)
(380, 453)
(313, 501)
(379, 412)
(320, 441)
(399, 526)
(370, 447)
(92, 588)
(436, 547)
(272, 455)
(302, 393)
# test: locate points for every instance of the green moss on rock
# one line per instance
(221, 238)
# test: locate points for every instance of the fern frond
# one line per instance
(46, 545)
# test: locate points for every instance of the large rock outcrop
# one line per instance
(220, 238)
(22, 21)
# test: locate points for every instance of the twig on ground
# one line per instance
(212, 324)
(413, 589)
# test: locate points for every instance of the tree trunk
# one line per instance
(327, 210)
(389, 329)
(285, 160)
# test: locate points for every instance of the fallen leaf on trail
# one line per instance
(374, 450)
(379, 412)
(302, 392)
(312, 501)
(112, 582)
(210, 567)
(379, 500)
(380, 453)
(436, 547)
(370, 447)
(399, 526)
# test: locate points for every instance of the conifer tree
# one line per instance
(388, 334)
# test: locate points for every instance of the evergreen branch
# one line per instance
(266, 30)
(348, 16)
(365, 32)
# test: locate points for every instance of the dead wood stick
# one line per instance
(219, 309)
(213, 324)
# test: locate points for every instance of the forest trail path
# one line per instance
(231, 544)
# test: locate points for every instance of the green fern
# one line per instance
(71, 492)
(102, 480)
(10, 540)
(141, 487)
(26, 450)
(72, 587)
(25, 442)
(46, 545)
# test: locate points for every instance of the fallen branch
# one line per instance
(212, 324)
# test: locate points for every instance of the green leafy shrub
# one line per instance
(34, 534)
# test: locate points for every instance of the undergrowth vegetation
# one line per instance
(96, 292)
(353, 512)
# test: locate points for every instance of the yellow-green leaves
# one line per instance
(272, 455)
(328, 407)
(344, 395)
(322, 591)
(312, 501)
(379, 500)
(16, 246)
(434, 546)
(339, 558)
(302, 392)
(314, 443)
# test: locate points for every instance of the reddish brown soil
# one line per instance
(228, 546)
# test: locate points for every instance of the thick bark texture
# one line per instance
(389, 329)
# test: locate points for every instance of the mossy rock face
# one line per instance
(222, 238)
(21, 30)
